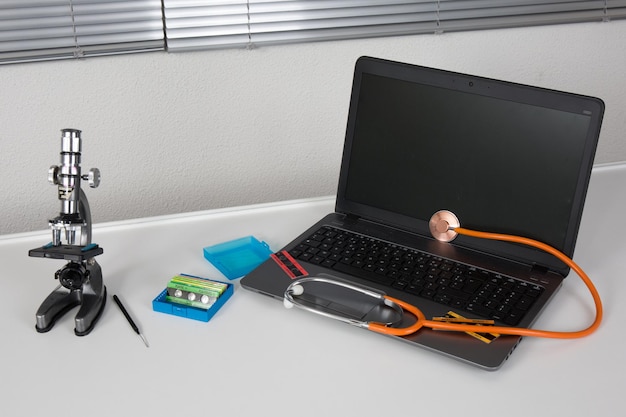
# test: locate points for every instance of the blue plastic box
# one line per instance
(161, 305)
(237, 257)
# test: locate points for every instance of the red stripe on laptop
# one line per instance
(288, 264)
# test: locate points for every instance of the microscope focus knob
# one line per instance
(92, 177)
(53, 175)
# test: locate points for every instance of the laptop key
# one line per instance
(524, 303)
(513, 318)
(457, 303)
(401, 284)
(456, 293)
(478, 309)
(328, 263)
(413, 289)
(363, 273)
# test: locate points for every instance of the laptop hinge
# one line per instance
(352, 217)
(539, 269)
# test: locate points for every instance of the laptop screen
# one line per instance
(503, 157)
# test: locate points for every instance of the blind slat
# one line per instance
(32, 30)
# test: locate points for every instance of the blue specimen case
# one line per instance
(237, 257)
(161, 305)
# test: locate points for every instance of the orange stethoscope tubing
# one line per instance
(422, 322)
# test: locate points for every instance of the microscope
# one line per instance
(80, 280)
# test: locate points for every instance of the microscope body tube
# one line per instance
(67, 178)
(69, 171)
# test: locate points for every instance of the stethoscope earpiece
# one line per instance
(296, 290)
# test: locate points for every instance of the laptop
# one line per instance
(503, 157)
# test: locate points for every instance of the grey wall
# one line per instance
(192, 131)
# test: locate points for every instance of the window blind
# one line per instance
(32, 30)
(202, 24)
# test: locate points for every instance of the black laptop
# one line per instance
(503, 157)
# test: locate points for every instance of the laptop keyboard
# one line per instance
(459, 286)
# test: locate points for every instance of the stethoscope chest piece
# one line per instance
(442, 225)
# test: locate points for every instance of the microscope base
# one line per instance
(91, 297)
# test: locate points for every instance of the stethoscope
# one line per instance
(444, 226)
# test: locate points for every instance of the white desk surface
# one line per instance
(257, 358)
